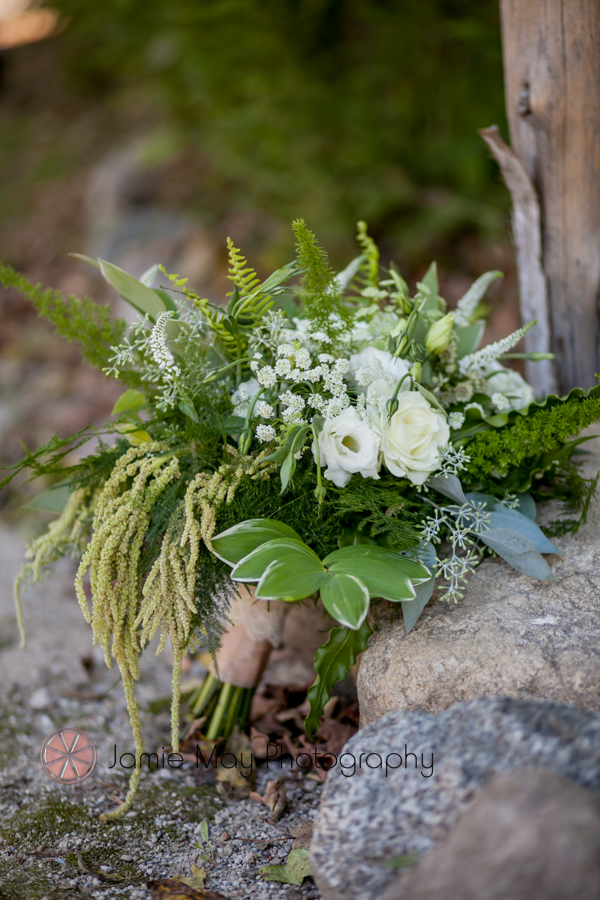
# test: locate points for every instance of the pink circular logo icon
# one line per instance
(68, 756)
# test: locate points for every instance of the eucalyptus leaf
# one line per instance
(518, 551)
(236, 542)
(346, 599)
(449, 486)
(527, 505)
(502, 516)
(291, 579)
(333, 661)
(412, 610)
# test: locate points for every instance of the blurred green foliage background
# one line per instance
(148, 131)
(333, 110)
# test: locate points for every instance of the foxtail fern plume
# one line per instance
(321, 297)
(84, 321)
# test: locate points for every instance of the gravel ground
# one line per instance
(44, 826)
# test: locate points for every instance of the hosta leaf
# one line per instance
(518, 551)
(333, 661)
(413, 568)
(346, 599)
(350, 538)
(238, 541)
(291, 578)
(251, 567)
(381, 579)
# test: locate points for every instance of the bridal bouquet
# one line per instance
(319, 435)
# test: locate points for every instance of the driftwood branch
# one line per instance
(533, 288)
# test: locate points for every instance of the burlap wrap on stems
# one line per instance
(246, 647)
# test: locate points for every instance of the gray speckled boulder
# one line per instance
(528, 835)
(510, 635)
(366, 819)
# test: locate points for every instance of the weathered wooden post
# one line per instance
(552, 79)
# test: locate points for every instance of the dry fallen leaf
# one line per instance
(274, 798)
(176, 889)
(236, 766)
(295, 870)
(196, 879)
(302, 832)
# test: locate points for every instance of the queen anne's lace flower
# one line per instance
(265, 433)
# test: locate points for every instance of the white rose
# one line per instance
(371, 364)
(243, 396)
(348, 445)
(410, 444)
(511, 384)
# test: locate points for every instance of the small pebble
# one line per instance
(224, 837)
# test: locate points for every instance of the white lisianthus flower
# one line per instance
(243, 396)
(509, 383)
(348, 445)
(416, 433)
(373, 364)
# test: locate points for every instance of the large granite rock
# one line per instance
(510, 635)
(530, 835)
(372, 816)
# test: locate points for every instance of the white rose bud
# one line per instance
(348, 445)
(438, 336)
(411, 442)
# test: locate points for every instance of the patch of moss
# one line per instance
(49, 820)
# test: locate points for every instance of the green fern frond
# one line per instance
(240, 273)
(368, 274)
(235, 348)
